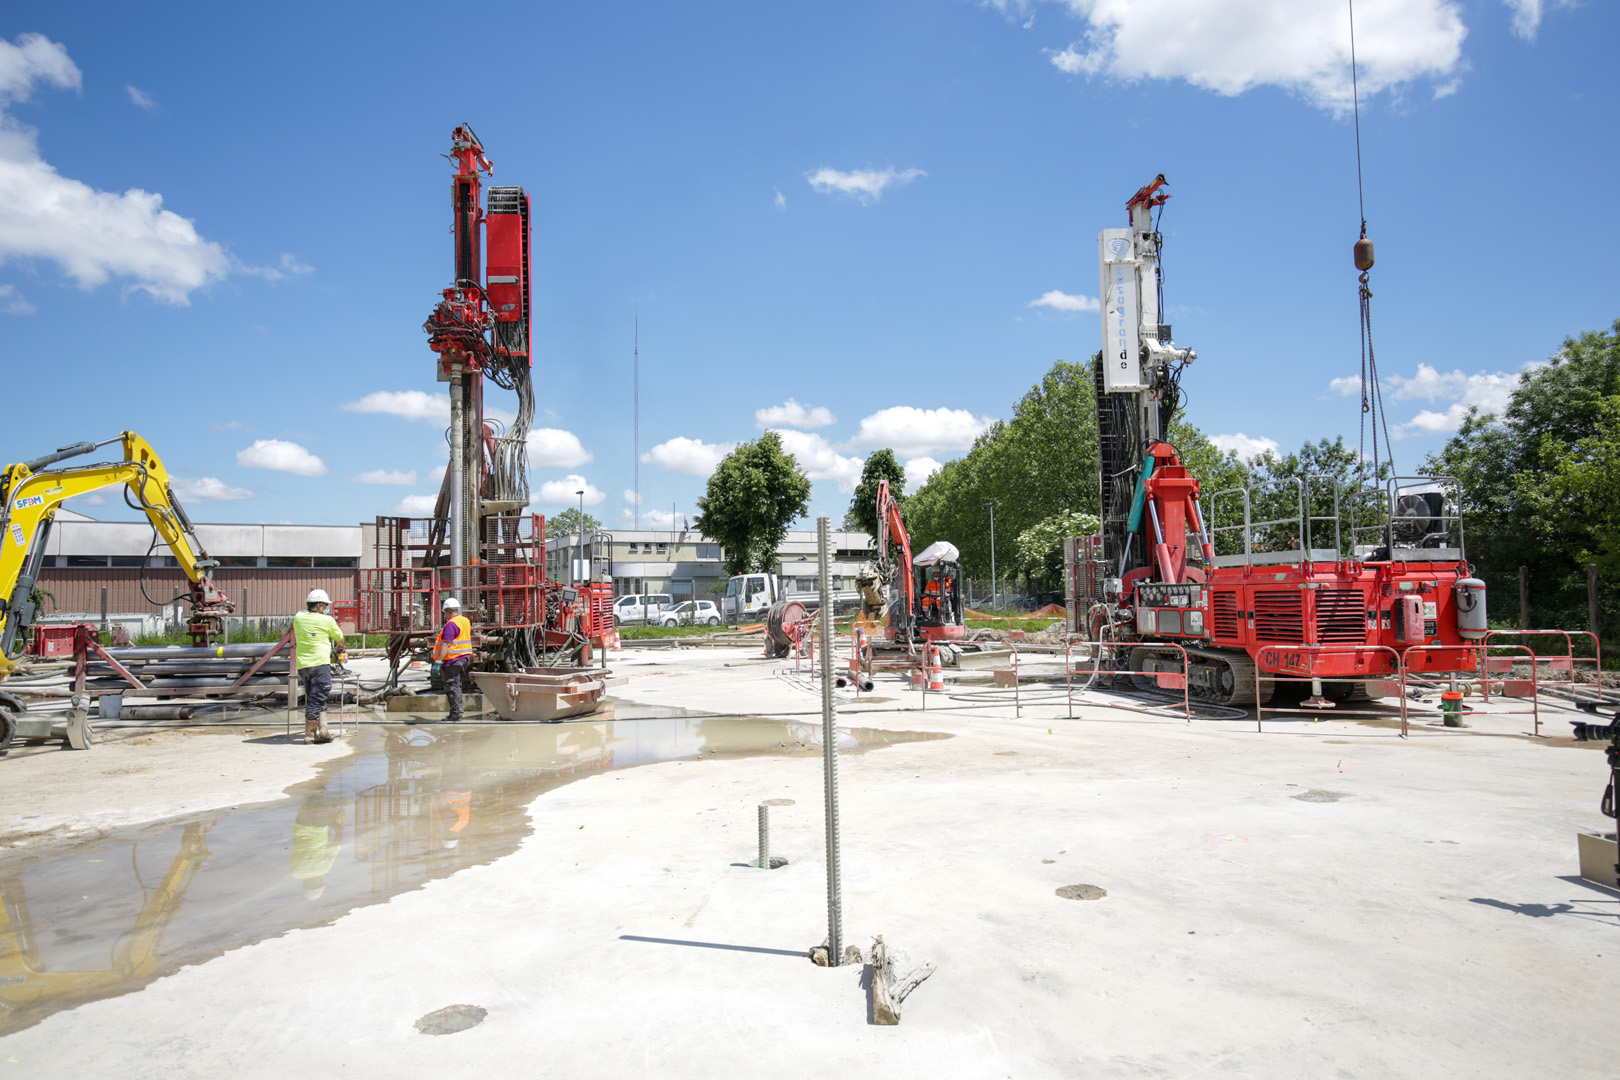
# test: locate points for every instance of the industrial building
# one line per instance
(112, 568)
(684, 562)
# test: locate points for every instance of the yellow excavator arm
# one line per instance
(30, 494)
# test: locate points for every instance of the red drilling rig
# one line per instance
(1294, 578)
(480, 546)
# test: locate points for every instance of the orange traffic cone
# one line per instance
(936, 673)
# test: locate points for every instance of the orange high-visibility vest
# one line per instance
(461, 647)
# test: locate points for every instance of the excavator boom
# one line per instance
(30, 495)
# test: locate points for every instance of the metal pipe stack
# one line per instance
(190, 671)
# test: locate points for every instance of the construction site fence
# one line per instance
(1097, 649)
(1493, 672)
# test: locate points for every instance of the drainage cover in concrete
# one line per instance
(451, 1019)
(1321, 796)
(1082, 892)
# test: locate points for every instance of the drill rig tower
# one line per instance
(479, 330)
(481, 546)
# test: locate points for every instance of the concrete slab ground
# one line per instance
(1321, 899)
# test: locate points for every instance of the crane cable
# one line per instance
(1372, 398)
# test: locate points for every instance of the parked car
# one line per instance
(641, 607)
(690, 612)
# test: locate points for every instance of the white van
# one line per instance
(748, 597)
(641, 607)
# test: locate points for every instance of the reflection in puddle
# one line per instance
(412, 804)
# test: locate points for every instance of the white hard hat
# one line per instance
(451, 601)
(317, 596)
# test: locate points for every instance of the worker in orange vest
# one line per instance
(453, 653)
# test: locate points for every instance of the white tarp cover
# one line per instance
(938, 551)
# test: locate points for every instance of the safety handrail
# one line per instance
(1260, 709)
(1096, 649)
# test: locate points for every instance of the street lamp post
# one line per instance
(991, 506)
(581, 494)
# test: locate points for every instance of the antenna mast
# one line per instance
(635, 445)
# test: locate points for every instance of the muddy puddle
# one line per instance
(411, 804)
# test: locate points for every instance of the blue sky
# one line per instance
(222, 226)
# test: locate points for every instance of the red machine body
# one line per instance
(1319, 614)
(1292, 578)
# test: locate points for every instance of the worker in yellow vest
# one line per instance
(453, 653)
(316, 636)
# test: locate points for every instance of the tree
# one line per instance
(1040, 464)
(880, 466)
(1534, 483)
(1038, 550)
(752, 498)
(1324, 470)
(567, 523)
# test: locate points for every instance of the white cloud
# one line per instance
(918, 470)
(140, 98)
(791, 414)
(13, 302)
(1231, 46)
(693, 457)
(553, 448)
(1248, 447)
(864, 185)
(279, 456)
(386, 476)
(1068, 303)
(415, 506)
(1429, 422)
(563, 492)
(92, 235)
(208, 489)
(1489, 391)
(632, 497)
(913, 432)
(780, 202)
(1527, 14)
(95, 498)
(289, 264)
(820, 461)
(406, 404)
(34, 58)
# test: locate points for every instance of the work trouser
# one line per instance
(454, 673)
(317, 683)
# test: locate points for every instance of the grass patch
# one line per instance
(1033, 626)
(649, 633)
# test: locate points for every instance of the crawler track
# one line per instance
(1237, 689)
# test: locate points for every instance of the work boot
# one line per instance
(311, 732)
(322, 733)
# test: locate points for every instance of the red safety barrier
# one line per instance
(1395, 672)
(1484, 662)
(1565, 663)
(1168, 680)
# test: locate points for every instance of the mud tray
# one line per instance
(543, 693)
